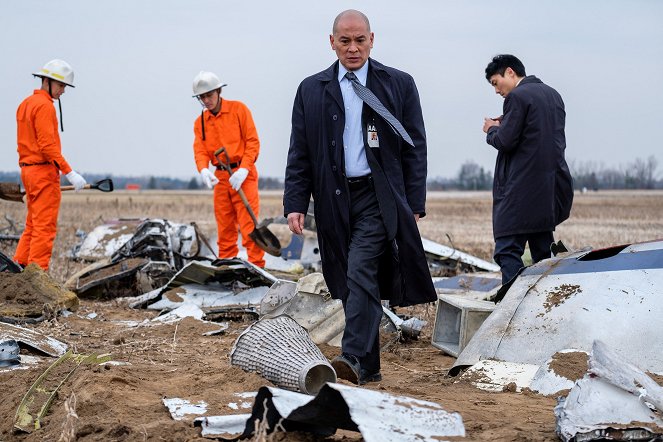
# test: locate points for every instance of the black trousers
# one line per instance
(509, 251)
(363, 309)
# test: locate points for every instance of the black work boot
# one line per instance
(347, 367)
(366, 376)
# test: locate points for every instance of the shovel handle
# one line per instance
(225, 165)
(66, 188)
(248, 207)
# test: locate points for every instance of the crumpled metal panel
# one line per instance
(611, 403)
(228, 427)
(447, 255)
(468, 282)
(209, 296)
(568, 302)
(308, 302)
(9, 352)
(106, 239)
(222, 276)
(148, 237)
(380, 417)
(37, 341)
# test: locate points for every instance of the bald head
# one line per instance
(350, 13)
(351, 39)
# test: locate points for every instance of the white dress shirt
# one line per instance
(353, 138)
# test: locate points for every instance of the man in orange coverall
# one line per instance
(40, 158)
(225, 123)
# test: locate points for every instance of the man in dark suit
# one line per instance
(532, 187)
(358, 146)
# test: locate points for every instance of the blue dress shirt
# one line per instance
(353, 140)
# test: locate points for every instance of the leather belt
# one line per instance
(34, 164)
(232, 166)
(360, 182)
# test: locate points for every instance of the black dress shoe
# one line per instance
(347, 367)
(366, 376)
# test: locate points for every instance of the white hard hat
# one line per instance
(205, 82)
(58, 70)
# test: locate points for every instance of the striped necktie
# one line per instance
(374, 103)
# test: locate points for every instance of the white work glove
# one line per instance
(76, 180)
(208, 178)
(238, 178)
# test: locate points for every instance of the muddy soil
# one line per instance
(32, 293)
(124, 403)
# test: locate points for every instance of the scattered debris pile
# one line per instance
(135, 256)
(32, 296)
(224, 289)
(309, 302)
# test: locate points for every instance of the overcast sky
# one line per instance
(131, 112)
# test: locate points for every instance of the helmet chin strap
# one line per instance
(61, 123)
(202, 116)
(59, 104)
(202, 112)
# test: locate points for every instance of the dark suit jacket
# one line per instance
(316, 167)
(532, 186)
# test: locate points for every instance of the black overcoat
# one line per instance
(316, 167)
(532, 186)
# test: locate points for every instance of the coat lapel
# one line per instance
(332, 87)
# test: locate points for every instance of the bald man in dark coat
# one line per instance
(368, 186)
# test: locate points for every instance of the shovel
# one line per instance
(261, 235)
(13, 192)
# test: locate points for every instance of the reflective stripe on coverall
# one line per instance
(234, 129)
(38, 143)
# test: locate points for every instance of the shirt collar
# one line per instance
(224, 110)
(361, 73)
(44, 93)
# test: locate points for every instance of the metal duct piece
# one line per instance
(281, 351)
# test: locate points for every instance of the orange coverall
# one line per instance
(232, 128)
(40, 158)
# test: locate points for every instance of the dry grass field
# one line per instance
(175, 360)
(460, 219)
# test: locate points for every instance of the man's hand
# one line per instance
(238, 177)
(490, 122)
(208, 178)
(416, 217)
(296, 222)
(76, 180)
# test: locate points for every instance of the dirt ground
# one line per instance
(124, 402)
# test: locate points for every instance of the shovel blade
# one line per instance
(11, 192)
(266, 240)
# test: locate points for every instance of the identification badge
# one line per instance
(372, 136)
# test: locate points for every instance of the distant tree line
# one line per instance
(638, 174)
(149, 182)
(590, 175)
(471, 176)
